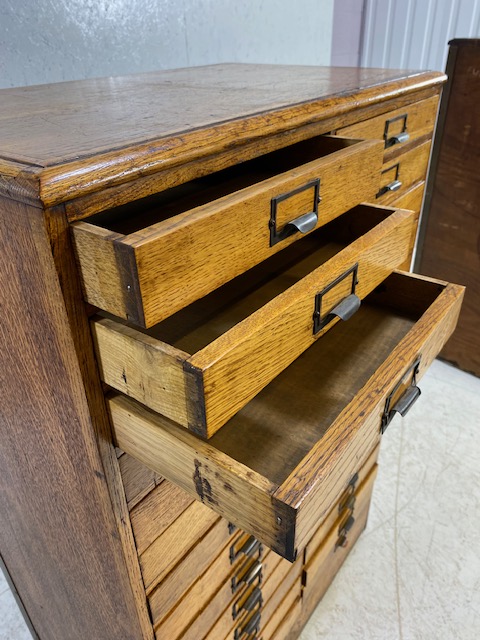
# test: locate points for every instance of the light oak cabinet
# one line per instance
(210, 323)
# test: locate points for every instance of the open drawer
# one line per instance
(281, 463)
(204, 363)
(145, 261)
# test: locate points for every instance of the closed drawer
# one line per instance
(325, 561)
(203, 364)
(411, 199)
(231, 593)
(402, 173)
(220, 581)
(345, 508)
(281, 463)
(172, 588)
(398, 127)
(147, 263)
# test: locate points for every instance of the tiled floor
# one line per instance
(415, 572)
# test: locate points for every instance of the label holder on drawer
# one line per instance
(303, 223)
(404, 403)
(344, 309)
(403, 136)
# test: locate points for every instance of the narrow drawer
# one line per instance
(288, 613)
(402, 173)
(281, 463)
(175, 584)
(219, 576)
(399, 127)
(203, 364)
(147, 262)
(345, 507)
(325, 561)
(411, 199)
(225, 598)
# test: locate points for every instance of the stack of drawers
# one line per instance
(254, 334)
(407, 135)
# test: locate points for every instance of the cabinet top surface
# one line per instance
(53, 124)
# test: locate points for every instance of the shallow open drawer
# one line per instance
(204, 363)
(145, 261)
(282, 462)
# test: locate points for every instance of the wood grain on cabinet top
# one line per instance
(72, 138)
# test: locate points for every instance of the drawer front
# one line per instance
(325, 560)
(277, 482)
(411, 199)
(402, 173)
(346, 506)
(148, 275)
(204, 390)
(398, 127)
(244, 580)
(172, 588)
(222, 580)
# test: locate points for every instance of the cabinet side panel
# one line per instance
(58, 535)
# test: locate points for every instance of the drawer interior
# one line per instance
(281, 463)
(276, 430)
(149, 211)
(199, 324)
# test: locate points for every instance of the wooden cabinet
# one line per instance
(208, 331)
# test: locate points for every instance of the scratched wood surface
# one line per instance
(55, 501)
(70, 129)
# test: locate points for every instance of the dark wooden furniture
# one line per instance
(449, 243)
(157, 285)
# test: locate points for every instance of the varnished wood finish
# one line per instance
(279, 496)
(185, 253)
(451, 233)
(256, 332)
(92, 533)
(52, 138)
(328, 558)
(56, 533)
(412, 169)
(420, 121)
(164, 598)
(63, 257)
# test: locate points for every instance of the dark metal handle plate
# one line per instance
(249, 548)
(344, 309)
(406, 400)
(393, 185)
(248, 604)
(250, 627)
(302, 224)
(247, 575)
(403, 136)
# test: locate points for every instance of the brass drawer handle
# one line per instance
(249, 628)
(249, 548)
(344, 309)
(248, 575)
(405, 401)
(250, 603)
(302, 224)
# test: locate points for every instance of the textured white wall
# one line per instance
(54, 40)
(414, 34)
